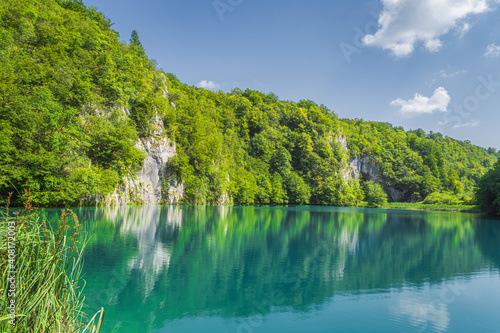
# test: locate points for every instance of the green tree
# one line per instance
(281, 161)
(112, 145)
(136, 43)
(298, 192)
(278, 194)
(374, 194)
(488, 191)
(444, 198)
(265, 189)
(261, 148)
(326, 192)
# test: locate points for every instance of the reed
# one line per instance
(46, 270)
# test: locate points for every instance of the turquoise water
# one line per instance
(294, 269)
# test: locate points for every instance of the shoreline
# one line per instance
(473, 209)
(433, 207)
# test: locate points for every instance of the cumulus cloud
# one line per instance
(403, 23)
(492, 51)
(210, 85)
(421, 104)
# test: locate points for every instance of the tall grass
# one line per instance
(48, 265)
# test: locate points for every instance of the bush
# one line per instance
(374, 194)
(442, 198)
(48, 265)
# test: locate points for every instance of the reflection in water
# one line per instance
(152, 266)
(153, 255)
(422, 314)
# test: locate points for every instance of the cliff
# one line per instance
(365, 168)
(152, 184)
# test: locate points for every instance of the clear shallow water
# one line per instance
(295, 269)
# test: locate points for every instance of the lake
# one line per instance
(291, 269)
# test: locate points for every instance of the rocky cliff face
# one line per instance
(152, 185)
(364, 167)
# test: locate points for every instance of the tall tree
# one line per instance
(135, 41)
(488, 191)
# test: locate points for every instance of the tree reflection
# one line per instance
(173, 261)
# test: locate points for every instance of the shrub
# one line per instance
(442, 198)
(374, 194)
(47, 290)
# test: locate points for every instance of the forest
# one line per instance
(75, 98)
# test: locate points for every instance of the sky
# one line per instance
(430, 64)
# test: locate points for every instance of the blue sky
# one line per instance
(430, 64)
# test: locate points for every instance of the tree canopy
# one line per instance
(74, 101)
(488, 191)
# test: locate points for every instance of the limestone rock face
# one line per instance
(360, 166)
(152, 184)
(153, 173)
(364, 167)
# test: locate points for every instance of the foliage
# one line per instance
(47, 264)
(74, 101)
(374, 194)
(273, 152)
(418, 163)
(488, 191)
(250, 138)
(444, 198)
(298, 192)
(66, 83)
(433, 207)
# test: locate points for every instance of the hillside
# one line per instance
(86, 118)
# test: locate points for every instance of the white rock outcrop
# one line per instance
(152, 184)
(364, 167)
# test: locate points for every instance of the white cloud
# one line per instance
(433, 45)
(403, 23)
(472, 123)
(492, 51)
(463, 29)
(210, 85)
(444, 74)
(421, 104)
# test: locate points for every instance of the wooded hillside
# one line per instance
(74, 100)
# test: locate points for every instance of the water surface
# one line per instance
(293, 269)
